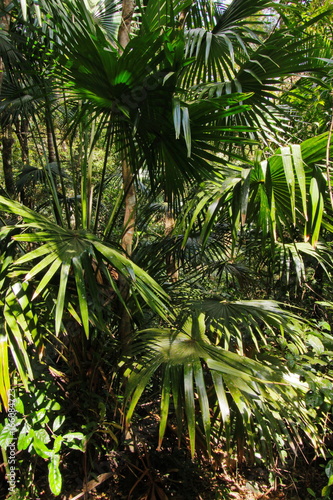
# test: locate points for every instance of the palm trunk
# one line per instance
(50, 144)
(130, 205)
(7, 145)
(171, 263)
(128, 184)
(129, 192)
(125, 27)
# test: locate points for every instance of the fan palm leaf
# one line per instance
(230, 56)
(137, 94)
(205, 376)
(276, 196)
(180, 102)
(77, 253)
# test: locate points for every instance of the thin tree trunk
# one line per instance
(171, 263)
(128, 184)
(7, 145)
(50, 145)
(6, 130)
(130, 205)
(129, 191)
(21, 130)
(125, 27)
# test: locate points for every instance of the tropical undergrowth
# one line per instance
(217, 316)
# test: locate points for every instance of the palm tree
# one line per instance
(183, 102)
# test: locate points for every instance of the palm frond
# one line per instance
(259, 394)
(108, 15)
(283, 194)
(71, 252)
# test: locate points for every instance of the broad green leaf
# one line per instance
(6, 436)
(57, 444)
(19, 406)
(71, 436)
(41, 449)
(42, 435)
(25, 438)
(316, 344)
(54, 476)
(58, 421)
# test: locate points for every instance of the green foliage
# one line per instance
(37, 431)
(329, 473)
(230, 214)
(208, 350)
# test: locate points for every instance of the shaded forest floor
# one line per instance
(166, 475)
(166, 478)
(170, 474)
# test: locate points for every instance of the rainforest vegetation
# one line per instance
(166, 249)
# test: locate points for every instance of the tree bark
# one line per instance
(127, 175)
(125, 26)
(50, 145)
(125, 326)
